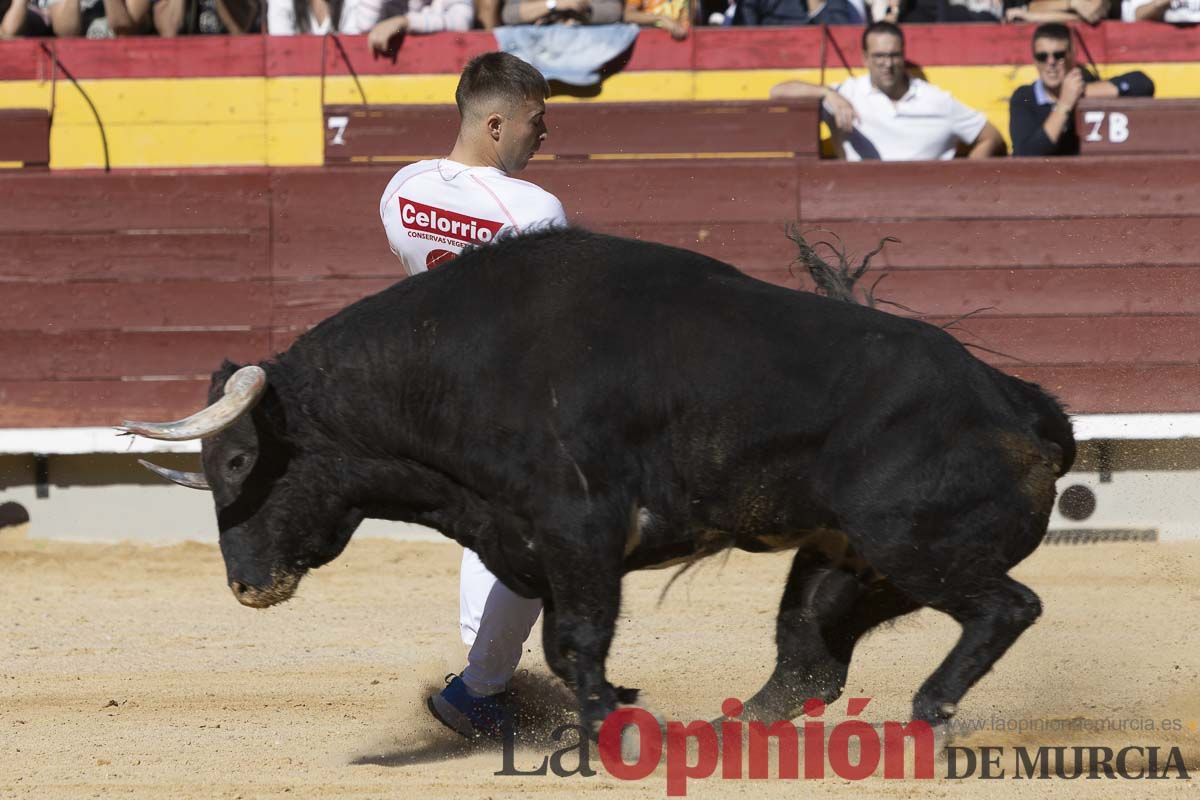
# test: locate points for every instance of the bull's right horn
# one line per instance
(192, 480)
(242, 391)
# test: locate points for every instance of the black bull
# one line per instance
(575, 406)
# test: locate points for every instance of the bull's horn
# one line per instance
(242, 390)
(192, 480)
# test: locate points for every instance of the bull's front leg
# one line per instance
(557, 661)
(585, 589)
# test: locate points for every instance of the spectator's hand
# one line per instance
(1016, 13)
(1090, 11)
(381, 35)
(841, 110)
(1072, 88)
(678, 30)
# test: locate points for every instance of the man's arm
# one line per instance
(1028, 134)
(988, 143)
(972, 128)
(836, 106)
(1131, 84)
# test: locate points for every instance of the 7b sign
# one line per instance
(1111, 126)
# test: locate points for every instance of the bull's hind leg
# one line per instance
(824, 612)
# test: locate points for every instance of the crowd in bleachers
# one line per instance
(387, 20)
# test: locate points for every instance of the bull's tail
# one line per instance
(838, 281)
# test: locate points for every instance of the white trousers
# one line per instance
(495, 622)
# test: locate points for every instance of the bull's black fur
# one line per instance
(574, 406)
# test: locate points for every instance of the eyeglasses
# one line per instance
(1043, 57)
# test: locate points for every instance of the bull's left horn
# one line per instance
(242, 391)
(192, 480)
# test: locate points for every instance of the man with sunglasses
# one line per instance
(1041, 116)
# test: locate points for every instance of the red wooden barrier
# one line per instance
(358, 134)
(1137, 126)
(25, 136)
(124, 291)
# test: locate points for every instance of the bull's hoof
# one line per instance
(627, 696)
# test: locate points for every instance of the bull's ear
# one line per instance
(216, 387)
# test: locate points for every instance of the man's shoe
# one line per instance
(469, 716)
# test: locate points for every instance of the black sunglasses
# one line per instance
(1042, 58)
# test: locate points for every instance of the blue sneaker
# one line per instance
(469, 716)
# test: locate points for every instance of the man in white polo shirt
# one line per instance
(886, 115)
(431, 210)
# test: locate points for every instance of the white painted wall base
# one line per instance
(1168, 502)
(108, 497)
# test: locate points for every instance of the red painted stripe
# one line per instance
(148, 57)
(705, 49)
(19, 60)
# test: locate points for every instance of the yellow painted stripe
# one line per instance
(277, 121)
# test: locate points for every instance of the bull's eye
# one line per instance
(237, 462)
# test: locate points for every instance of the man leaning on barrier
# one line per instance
(1041, 114)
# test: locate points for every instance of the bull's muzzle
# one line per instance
(282, 588)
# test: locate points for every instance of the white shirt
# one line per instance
(432, 209)
(1180, 11)
(358, 16)
(926, 123)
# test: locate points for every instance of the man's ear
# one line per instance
(494, 121)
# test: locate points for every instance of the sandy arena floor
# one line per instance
(130, 671)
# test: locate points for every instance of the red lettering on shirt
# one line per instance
(460, 227)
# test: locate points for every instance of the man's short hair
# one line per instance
(1051, 30)
(498, 76)
(882, 27)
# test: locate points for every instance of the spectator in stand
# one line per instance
(800, 12)
(175, 17)
(544, 12)
(909, 11)
(1090, 11)
(422, 16)
(98, 19)
(1041, 116)
(289, 17)
(890, 116)
(670, 15)
(1180, 12)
